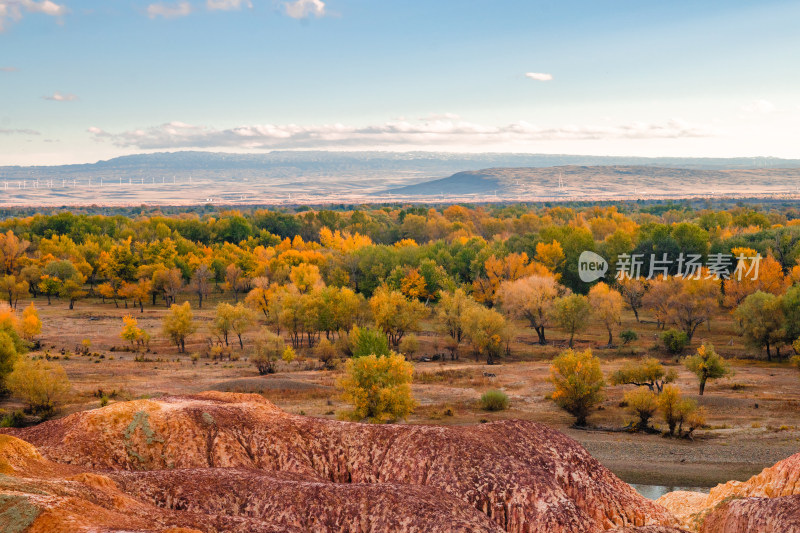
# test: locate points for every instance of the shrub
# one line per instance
(494, 400)
(674, 341)
(42, 385)
(578, 383)
(628, 336)
(643, 403)
(378, 388)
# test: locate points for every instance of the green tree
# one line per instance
(178, 324)
(572, 313)
(578, 382)
(761, 321)
(367, 341)
(378, 388)
(706, 364)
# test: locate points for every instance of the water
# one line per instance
(654, 492)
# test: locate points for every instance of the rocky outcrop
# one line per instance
(765, 502)
(764, 515)
(237, 463)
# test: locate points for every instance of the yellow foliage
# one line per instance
(378, 388)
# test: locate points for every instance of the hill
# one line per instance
(604, 182)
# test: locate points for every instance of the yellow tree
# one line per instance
(486, 330)
(450, 317)
(42, 385)
(606, 306)
(305, 277)
(132, 333)
(178, 324)
(531, 299)
(550, 255)
(378, 388)
(31, 325)
(578, 383)
(394, 314)
(767, 278)
(13, 289)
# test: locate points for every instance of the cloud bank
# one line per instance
(421, 134)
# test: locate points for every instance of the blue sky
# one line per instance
(82, 80)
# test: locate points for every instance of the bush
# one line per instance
(578, 383)
(42, 385)
(494, 400)
(628, 336)
(378, 388)
(643, 403)
(674, 341)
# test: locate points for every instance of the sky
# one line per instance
(84, 80)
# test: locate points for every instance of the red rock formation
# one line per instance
(765, 502)
(748, 515)
(252, 467)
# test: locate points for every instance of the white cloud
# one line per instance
(61, 97)
(759, 106)
(9, 69)
(168, 11)
(13, 10)
(539, 76)
(420, 134)
(300, 9)
(227, 5)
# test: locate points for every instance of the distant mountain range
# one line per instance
(181, 178)
(283, 163)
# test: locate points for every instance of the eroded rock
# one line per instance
(242, 460)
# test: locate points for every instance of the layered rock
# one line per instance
(764, 515)
(241, 464)
(762, 503)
